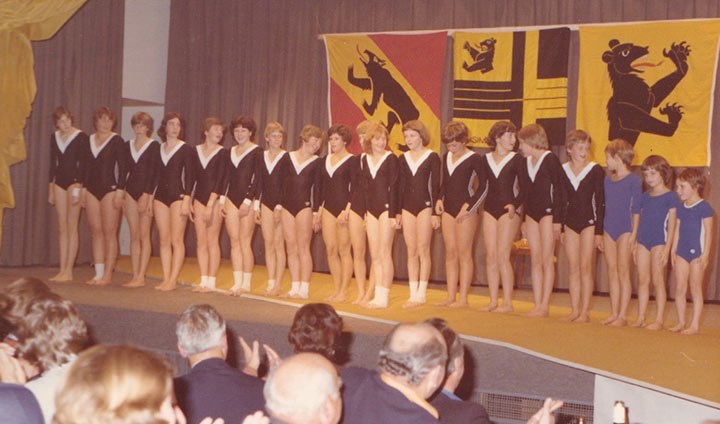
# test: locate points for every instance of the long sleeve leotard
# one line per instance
(419, 182)
(463, 181)
(381, 189)
(104, 170)
(337, 183)
(67, 159)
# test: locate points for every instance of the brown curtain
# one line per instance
(80, 67)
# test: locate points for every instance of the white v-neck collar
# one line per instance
(137, 154)
(575, 180)
(373, 168)
(63, 145)
(533, 170)
(270, 165)
(204, 161)
(300, 166)
(167, 156)
(451, 166)
(330, 168)
(497, 168)
(95, 149)
(415, 165)
(236, 159)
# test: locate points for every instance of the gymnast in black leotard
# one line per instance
(419, 182)
(174, 181)
(543, 212)
(583, 221)
(338, 171)
(504, 169)
(67, 159)
(270, 210)
(380, 172)
(462, 191)
(300, 204)
(242, 205)
(141, 157)
(211, 165)
(356, 225)
(104, 181)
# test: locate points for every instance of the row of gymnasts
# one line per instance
(359, 201)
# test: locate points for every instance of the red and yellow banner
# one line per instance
(391, 78)
(650, 84)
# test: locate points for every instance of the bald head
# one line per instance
(305, 388)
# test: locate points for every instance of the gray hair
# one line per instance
(200, 328)
(416, 362)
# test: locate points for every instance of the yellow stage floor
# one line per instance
(686, 366)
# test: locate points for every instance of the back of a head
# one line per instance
(455, 348)
(114, 384)
(52, 332)
(299, 389)
(199, 329)
(316, 328)
(18, 296)
(411, 351)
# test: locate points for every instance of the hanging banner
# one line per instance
(651, 84)
(516, 76)
(391, 78)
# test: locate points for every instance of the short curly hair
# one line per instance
(316, 328)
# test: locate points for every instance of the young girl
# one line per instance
(243, 180)
(300, 206)
(656, 230)
(543, 212)
(172, 185)
(691, 246)
(356, 225)
(622, 194)
(419, 182)
(337, 175)
(380, 171)
(463, 189)
(141, 155)
(103, 193)
(67, 155)
(583, 221)
(503, 169)
(270, 216)
(211, 164)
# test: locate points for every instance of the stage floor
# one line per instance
(683, 366)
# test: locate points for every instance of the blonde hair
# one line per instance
(373, 129)
(114, 384)
(575, 137)
(621, 149)
(309, 131)
(534, 135)
(272, 127)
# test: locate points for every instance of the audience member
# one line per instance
(14, 301)
(18, 405)
(452, 409)
(304, 389)
(316, 328)
(212, 387)
(411, 367)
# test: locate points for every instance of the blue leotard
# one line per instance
(620, 196)
(691, 236)
(654, 212)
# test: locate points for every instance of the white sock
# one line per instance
(294, 288)
(271, 285)
(237, 281)
(413, 290)
(203, 281)
(422, 291)
(211, 283)
(99, 271)
(304, 289)
(246, 280)
(381, 297)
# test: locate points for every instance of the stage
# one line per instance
(511, 355)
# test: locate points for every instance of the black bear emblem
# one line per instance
(384, 86)
(482, 55)
(632, 100)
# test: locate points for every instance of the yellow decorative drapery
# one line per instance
(22, 21)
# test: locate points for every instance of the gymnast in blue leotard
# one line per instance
(691, 246)
(622, 193)
(656, 230)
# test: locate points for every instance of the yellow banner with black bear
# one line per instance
(516, 76)
(650, 84)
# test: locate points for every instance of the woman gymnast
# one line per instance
(103, 193)
(141, 155)
(240, 200)
(172, 185)
(419, 182)
(356, 226)
(300, 205)
(211, 165)
(337, 175)
(463, 189)
(67, 156)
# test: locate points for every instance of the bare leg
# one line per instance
(380, 240)
(304, 233)
(658, 280)
(61, 207)
(682, 276)
(547, 235)
(232, 227)
(329, 229)
(94, 215)
(532, 231)
(624, 257)
(213, 239)
(610, 251)
(177, 240)
(587, 274)
(162, 221)
(571, 244)
(465, 233)
(644, 270)
(247, 229)
(289, 223)
(696, 283)
(410, 230)
(346, 260)
(509, 224)
(202, 237)
(132, 215)
(358, 240)
(452, 262)
(490, 237)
